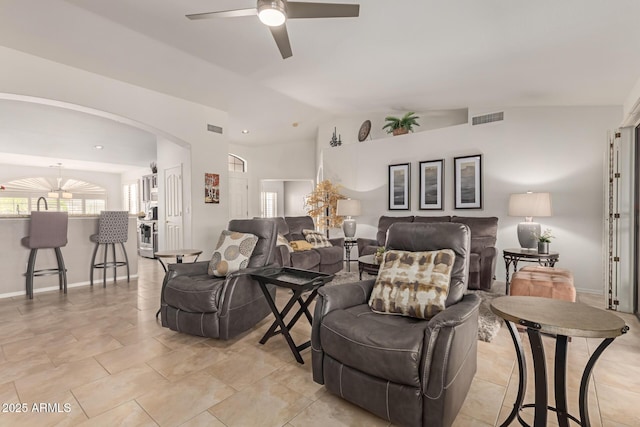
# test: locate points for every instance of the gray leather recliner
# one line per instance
(409, 371)
(196, 303)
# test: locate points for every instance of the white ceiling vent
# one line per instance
(214, 128)
(487, 118)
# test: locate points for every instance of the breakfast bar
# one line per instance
(77, 254)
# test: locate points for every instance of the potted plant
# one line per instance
(379, 254)
(401, 125)
(543, 241)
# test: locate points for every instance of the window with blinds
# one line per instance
(130, 198)
(269, 204)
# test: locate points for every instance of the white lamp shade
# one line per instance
(530, 204)
(348, 207)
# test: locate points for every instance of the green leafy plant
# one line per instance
(395, 124)
(546, 236)
(380, 250)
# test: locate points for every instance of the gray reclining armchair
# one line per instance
(197, 303)
(412, 372)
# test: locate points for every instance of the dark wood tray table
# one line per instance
(299, 281)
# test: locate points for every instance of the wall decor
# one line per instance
(365, 128)
(211, 188)
(432, 184)
(335, 141)
(468, 182)
(399, 183)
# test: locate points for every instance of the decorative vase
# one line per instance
(400, 131)
(543, 247)
(378, 258)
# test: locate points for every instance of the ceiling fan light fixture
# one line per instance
(272, 13)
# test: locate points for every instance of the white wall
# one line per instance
(294, 194)
(558, 149)
(109, 181)
(280, 161)
(175, 119)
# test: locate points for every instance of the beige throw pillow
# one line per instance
(414, 284)
(232, 252)
(317, 239)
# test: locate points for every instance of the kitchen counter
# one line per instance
(77, 255)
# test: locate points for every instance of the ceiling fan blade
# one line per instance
(224, 14)
(281, 36)
(297, 10)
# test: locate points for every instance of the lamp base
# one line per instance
(349, 227)
(528, 233)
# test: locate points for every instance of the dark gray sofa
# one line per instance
(325, 260)
(409, 371)
(484, 254)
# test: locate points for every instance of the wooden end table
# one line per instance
(563, 319)
(515, 255)
(368, 264)
(299, 281)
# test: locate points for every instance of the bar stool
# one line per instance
(113, 227)
(47, 230)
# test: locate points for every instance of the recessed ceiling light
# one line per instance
(245, 130)
(98, 147)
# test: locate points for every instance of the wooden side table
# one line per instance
(563, 319)
(513, 256)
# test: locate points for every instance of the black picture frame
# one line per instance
(467, 174)
(399, 191)
(431, 185)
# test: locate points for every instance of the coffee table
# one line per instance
(299, 281)
(563, 319)
(368, 264)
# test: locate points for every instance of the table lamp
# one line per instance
(348, 208)
(528, 205)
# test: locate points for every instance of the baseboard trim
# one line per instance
(69, 285)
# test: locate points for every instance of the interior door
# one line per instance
(173, 208)
(238, 197)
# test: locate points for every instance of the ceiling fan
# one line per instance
(274, 14)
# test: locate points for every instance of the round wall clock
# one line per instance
(363, 133)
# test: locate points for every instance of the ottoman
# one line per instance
(539, 281)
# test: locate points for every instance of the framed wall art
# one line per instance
(432, 185)
(399, 183)
(211, 188)
(467, 172)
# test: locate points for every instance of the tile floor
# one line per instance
(102, 357)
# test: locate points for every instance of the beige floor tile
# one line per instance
(272, 404)
(48, 383)
(609, 423)
(619, 405)
(11, 371)
(184, 399)
(109, 392)
(205, 419)
(131, 355)
(186, 360)
(27, 348)
(8, 393)
(12, 332)
(245, 366)
(60, 410)
(299, 378)
(103, 327)
(494, 367)
(176, 340)
(88, 347)
(128, 414)
(138, 332)
(333, 411)
(463, 420)
(483, 401)
(618, 375)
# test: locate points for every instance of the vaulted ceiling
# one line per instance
(403, 55)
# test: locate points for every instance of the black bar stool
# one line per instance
(113, 227)
(47, 230)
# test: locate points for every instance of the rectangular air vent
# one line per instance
(214, 128)
(487, 118)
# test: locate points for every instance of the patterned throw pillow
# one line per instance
(282, 241)
(413, 284)
(317, 239)
(232, 252)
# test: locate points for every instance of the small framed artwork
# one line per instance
(467, 172)
(431, 184)
(399, 182)
(211, 188)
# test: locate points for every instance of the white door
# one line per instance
(173, 208)
(238, 197)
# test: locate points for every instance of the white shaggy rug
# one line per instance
(488, 323)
